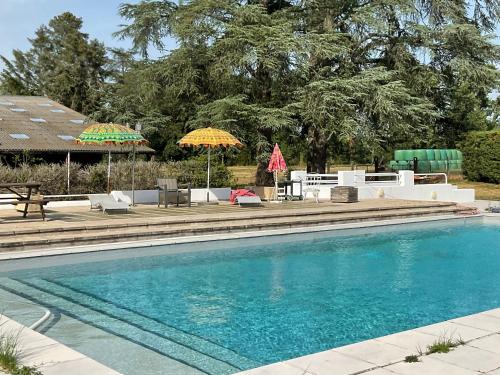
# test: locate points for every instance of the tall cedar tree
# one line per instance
(62, 64)
(329, 75)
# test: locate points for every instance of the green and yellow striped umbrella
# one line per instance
(110, 134)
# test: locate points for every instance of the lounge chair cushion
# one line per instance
(240, 193)
(95, 200)
(107, 203)
(249, 201)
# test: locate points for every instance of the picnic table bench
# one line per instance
(23, 195)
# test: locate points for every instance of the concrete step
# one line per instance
(178, 229)
(212, 218)
(205, 356)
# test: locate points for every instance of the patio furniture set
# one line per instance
(170, 192)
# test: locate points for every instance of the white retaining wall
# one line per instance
(140, 197)
(402, 187)
(151, 196)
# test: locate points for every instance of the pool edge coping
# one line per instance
(127, 245)
(295, 366)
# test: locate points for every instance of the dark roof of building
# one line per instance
(35, 123)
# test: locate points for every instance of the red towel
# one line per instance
(240, 193)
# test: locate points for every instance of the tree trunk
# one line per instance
(263, 177)
(316, 151)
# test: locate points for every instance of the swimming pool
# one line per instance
(226, 306)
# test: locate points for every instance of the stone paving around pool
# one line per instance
(49, 356)
(386, 355)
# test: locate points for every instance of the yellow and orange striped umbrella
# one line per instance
(209, 137)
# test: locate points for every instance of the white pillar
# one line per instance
(347, 178)
(406, 178)
(360, 177)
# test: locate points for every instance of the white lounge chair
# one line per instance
(248, 201)
(107, 203)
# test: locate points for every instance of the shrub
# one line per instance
(93, 178)
(481, 151)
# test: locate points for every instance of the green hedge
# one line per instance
(481, 151)
(93, 178)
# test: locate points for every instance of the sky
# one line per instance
(20, 19)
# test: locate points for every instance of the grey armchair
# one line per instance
(171, 192)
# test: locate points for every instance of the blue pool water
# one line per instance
(232, 308)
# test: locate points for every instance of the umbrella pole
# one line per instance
(68, 160)
(133, 174)
(275, 185)
(109, 171)
(208, 176)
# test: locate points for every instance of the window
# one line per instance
(7, 103)
(19, 136)
(18, 110)
(57, 111)
(45, 105)
(66, 137)
(37, 120)
(78, 122)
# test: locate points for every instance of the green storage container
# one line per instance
(408, 155)
(399, 155)
(430, 154)
(405, 165)
(437, 154)
(420, 154)
(453, 165)
(434, 165)
(443, 155)
(424, 166)
(442, 165)
(454, 153)
(459, 155)
(398, 165)
(449, 155)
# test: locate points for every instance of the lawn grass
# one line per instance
(484, 190)
(245, 174)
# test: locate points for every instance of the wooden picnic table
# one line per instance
(23, 194)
